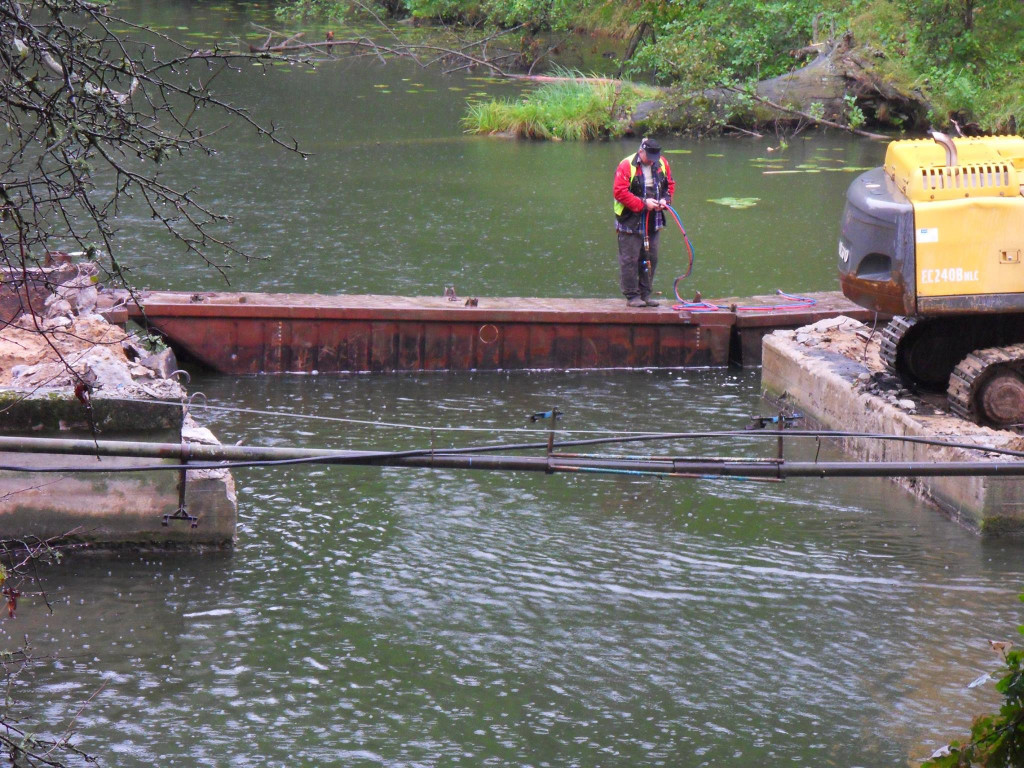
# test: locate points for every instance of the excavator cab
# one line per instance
(936, 237)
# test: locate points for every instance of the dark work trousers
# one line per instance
(633, 278)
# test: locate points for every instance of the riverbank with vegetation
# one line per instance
(891, 64)
(569, 110)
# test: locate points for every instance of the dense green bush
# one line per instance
(963, 55)
(699, 44)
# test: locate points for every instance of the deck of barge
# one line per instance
(249, 333)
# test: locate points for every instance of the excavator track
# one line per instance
(987, 387)
(923, 351)
(892, 333)
(978, 361)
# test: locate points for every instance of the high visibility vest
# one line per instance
(619, 208)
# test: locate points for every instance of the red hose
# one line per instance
(794, 302)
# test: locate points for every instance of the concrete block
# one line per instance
(836, 379)
(110, 510)
(80, 384)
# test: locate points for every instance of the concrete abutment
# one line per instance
(831, 373)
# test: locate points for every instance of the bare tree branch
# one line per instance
(464, 54)
(90, 114)
(81, 102)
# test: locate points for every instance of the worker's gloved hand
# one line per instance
(663, 204)
(652, 205)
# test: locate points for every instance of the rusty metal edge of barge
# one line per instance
(257, 333)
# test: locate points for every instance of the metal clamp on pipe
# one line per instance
(182, 513)
(783, 420)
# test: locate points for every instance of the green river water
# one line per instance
(408, 618)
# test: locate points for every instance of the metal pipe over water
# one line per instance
(210, 456)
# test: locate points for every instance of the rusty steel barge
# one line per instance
(253, 333)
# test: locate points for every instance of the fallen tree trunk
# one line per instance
(819, 82)
(813, 118)
(816, 93)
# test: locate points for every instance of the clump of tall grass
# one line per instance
(568, 110)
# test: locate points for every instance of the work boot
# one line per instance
(636, 301)
(651, 302)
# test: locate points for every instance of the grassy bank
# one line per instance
(568, 110)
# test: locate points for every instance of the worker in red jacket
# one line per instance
(643, 188)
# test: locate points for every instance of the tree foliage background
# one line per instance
(962, 57)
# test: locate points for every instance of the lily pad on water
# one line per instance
(736, 202)
(817, 169)
(715, 154)
(677, 151)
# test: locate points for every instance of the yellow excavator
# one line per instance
(935, 237)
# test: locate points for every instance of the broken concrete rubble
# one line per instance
(65, 371)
